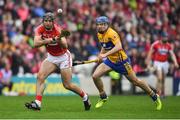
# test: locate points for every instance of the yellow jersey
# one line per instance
(108, 41)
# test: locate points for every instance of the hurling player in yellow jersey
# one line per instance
(113, 57)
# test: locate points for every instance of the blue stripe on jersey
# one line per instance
(107, 45)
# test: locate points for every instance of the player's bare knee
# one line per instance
(95, 77)
(40, 77)
(67, 85)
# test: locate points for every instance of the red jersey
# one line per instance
(53, 48)
(161, 51)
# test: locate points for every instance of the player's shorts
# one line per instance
(62, 61)
(161, 66)
(122, 67)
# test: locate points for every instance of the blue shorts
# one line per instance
(122, 67)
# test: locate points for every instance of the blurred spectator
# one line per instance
(1, 85)
(138, 21)
(5, 78)
(176, 80)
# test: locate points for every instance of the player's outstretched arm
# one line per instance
(174, 59)
(149, 56)
(116, 48)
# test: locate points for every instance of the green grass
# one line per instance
(69, 107)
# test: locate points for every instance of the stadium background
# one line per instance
(139, 22)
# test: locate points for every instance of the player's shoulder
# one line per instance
(170, 46)
(155, 43)
(57, 26)
(39, 28)
(112, 32)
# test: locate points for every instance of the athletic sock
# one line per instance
(84, 96)
(153, 96)
(38, 100)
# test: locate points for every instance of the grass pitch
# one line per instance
(71, 107)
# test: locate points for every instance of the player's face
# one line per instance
(48, 24)
(101, 27)
(164, 39)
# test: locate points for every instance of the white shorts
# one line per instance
(161, 66)
(62, 61)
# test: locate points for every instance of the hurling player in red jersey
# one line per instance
(58, 57)
(159, 52)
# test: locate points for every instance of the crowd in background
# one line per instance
(139, 22)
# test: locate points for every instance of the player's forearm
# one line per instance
(115, 49)
(148, 59)
(174, 58)
(102, 51)
(41, 42)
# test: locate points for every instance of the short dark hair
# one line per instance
(48, 16)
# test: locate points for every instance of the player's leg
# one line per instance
(161, 71)
(178, 92)
(163, 85)
(140, 83)
(143, 85)
(100, 70)
(66, 75)
(165, 68)
(159, 85)
(46, 69)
